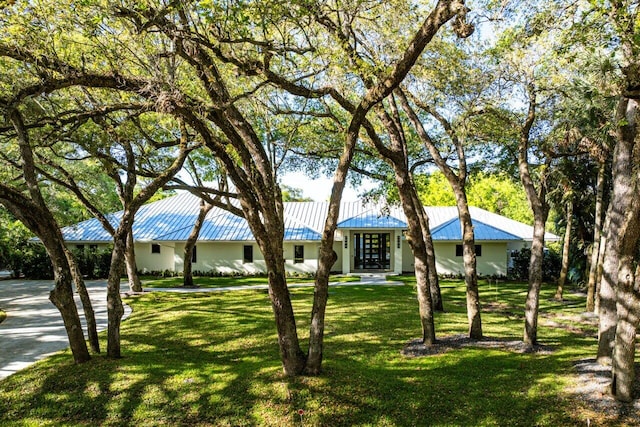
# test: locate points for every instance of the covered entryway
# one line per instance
(372, 251)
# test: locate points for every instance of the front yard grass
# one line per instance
(228, 281)
(212, 359)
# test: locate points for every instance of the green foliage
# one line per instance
(36, 263)
(93, 264)
(14, 243)
(497, 193)
(292, 194)
(551, 264)
(212, 359)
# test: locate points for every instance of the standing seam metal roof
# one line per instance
(172, 219)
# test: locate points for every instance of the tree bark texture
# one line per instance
(191, 243)
(470, 270)
(618, 207)
(415, 237)
(87, 306)
(597, 233)
(132, 269)
(62, 297)
(540, 208)
(532, 303)
(565, 253)
(115, 309)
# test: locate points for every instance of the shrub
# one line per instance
(93, 264)
(551, 264)
(36, 263)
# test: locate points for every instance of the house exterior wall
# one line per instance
(148, 261)
(493, 261)
(227, 257)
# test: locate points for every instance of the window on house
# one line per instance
(298, 254)
(194, 254)
(155, 248)
(248, 254)
(80, 247)
(460, 253)
(93, 248)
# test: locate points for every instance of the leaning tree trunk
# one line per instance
(87, 306)
(597, 232)
(535, 282)
(565, 253)
(432, 272)
(415, 234)
(470, 271)
(293, 358)
(191, 243)
(132, 269)
(115, 309)
(62, 297)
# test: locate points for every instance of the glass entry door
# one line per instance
(372, 251)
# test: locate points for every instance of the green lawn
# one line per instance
(225, 281)
(211, 359)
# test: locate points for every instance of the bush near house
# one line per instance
(551, 265)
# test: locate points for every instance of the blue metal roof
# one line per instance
(367, 220)
(172, 219)
(452, 230)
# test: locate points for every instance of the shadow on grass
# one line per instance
(213, 360)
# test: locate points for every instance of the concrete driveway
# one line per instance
(33, 328)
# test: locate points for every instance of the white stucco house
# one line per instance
(368, 238)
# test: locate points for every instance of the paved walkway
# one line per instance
(34, 330)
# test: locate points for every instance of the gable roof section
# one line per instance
(371, 220)
(452, 230)
(172, 219)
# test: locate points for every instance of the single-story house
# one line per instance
(368, 238)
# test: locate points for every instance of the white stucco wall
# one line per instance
(147, 261)
(227, 257)
(493, 260)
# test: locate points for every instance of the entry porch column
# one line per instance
(397, 252)
(346, 251)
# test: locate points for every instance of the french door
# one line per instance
(372, 251)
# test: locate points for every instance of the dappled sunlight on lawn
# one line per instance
(213, 360)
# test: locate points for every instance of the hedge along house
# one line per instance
(368, 238)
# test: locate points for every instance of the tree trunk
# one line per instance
(618, 207)
(115, 309)
(535, 282)
(565, 253)
(293, 358)
(628, 307)
(62, 297)
(87, 306)
(191, 243)
(415, 235)
(432, 272)
(470, 271)
(600, 269)
(130, 260)
(597, 232)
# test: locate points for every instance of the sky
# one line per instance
(319, 189)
